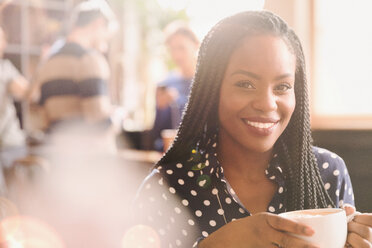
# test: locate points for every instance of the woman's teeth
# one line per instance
(260, 124)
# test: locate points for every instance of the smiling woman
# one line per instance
(243, 152)
(257, 95)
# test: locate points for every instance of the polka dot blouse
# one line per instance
(185, 203)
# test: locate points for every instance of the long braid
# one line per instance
(200, 119)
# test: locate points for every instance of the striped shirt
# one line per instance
(73, 85)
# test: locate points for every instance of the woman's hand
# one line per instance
(260, 230)
(359, 229)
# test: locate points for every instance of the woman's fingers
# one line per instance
(364, 219)
(282, 239)
(281, 231)
(287, 225)
(362, 230)
(358, 242)
(349, 209)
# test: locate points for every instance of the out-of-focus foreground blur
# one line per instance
(73, 186)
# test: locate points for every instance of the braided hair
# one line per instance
(200, 119)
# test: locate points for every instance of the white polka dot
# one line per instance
(266, 172)
(232, 191)
(191, 222)
(198, 213)
(195, 244)
(215, 191)
(172, 219)
(164, 196)
(352, 197)
(336, 172)
(214, 145)
(161, 181)
(205, 234)
(184, 232)
(193, 192)
(340, 203)
(321, 151)
(327, 186)
(172, 190)
(206, 162)
(228, 200)
(280, 206)
(162, 232)
(169, 172)
(337, 192)
(179, 165)
(325, 165)
(350, 191)
(241, 210)
(148, 186)
(178, 242)
(185, 202)
(233, 219)
(333, 155)
(220, 211)
(207, 155)
(190, 174)
(207, 203)
(177, 210)
(280, 190)
(202, 182)
(271, 209)
(212, 223)
(345, 186)
(211, 171)
(280, 169)
(272, 177)
(330, 206)
(160, 167)
(181, 182)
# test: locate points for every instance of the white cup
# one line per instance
(329, 224)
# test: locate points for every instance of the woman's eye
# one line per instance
(283, 87)
(245, 84)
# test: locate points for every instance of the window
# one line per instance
(342, 68)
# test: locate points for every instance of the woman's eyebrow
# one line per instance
(285, 75)
(246, 73)
(255, 76)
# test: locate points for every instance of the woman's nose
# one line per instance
(265, 101)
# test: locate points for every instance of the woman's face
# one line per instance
(257, 95)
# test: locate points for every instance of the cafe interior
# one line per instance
(74, 189)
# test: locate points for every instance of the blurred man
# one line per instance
(172, 93)
(73, 83)
(13, 86)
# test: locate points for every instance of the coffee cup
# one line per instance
(329, 225)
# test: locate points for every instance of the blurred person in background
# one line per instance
(72, 84)
(13, 87)
(172, 93)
